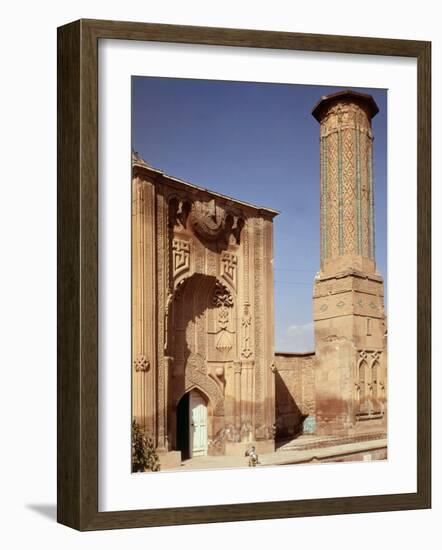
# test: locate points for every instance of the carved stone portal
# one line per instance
(195, 277)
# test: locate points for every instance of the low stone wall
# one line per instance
(294, 394)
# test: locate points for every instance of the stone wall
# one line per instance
(294, 394)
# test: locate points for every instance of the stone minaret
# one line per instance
(348, 302)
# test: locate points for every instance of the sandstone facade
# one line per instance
(202, 317)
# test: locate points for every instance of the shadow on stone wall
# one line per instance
(288, 416)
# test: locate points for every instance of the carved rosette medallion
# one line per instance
(207, 220)
(141, 363)
(211, 222)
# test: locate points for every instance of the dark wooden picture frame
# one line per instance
(77, 225)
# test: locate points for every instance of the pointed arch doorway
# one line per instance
(192, 421)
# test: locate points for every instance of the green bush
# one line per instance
(144, 456)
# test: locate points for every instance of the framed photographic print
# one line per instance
(239, 215)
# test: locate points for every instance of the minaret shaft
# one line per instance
(347, 220)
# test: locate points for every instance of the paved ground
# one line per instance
(289, 454)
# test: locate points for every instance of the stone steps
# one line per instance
(327, 453)
(307, 442)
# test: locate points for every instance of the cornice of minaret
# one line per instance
(347, 190)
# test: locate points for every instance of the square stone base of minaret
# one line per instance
(338, 407)
(350, 371)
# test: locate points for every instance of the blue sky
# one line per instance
(258, 143)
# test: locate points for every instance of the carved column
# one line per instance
(247, 397)
(246, 321)
(258, 265)
(162, 293)
(237, 374)
(143, 281)
(167, 368)
(269, 323)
